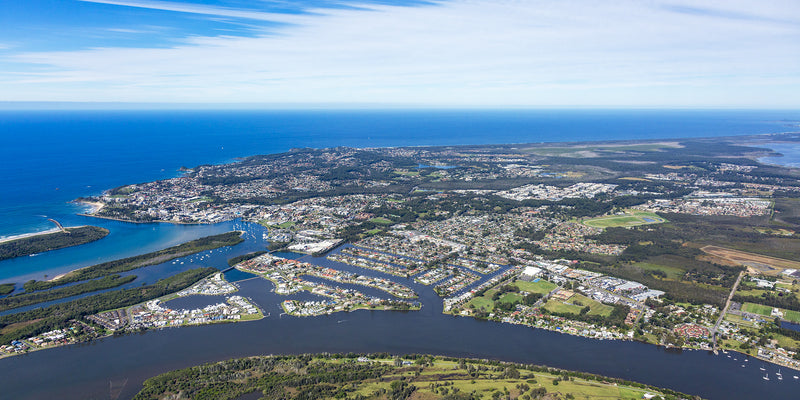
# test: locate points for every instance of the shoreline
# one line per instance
(27, 235)
(666, 347)
(96, 206)
(147, 222)
(32, 234)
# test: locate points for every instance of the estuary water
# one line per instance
(52, 157)
(119, 365)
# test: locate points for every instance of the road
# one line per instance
(724, 310)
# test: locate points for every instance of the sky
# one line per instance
(449, 53)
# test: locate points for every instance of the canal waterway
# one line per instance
(118, 365)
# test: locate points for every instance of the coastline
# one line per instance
(96, 206)
(145, 222)
(27, 235)
(32, 234)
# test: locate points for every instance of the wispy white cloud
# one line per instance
(196, 9)
(534, 52)
(126, 30)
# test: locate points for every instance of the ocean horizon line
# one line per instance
(356, 106)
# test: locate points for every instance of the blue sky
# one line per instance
(644, 53)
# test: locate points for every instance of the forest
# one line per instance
(51, 241)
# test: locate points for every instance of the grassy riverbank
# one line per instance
(381, 376)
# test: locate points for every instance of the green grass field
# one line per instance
(738, 320)
(674, 273)
(510, 298)
(381, 221)
(487, 385)
(595, 307)
(542, 286)
(559, 307)
(749, 289)
(786, 342)
(487, 303)
(790, 315)
(630, 218)
(284, 225)
(482, 302)
(757, 309)
(766, 311)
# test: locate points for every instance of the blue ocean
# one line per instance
(52, 157)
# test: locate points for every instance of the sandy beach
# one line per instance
(96, 206)
(25, 235)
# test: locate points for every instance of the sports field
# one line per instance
(757, 309)
(540, 286)
(630, 218)
(789, 315)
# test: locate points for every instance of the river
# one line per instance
(118, 365)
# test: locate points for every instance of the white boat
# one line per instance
(766, 377)
(796, 377)
(761, 368)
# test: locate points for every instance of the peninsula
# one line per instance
(58, 238)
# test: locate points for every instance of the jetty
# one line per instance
(58, 225)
